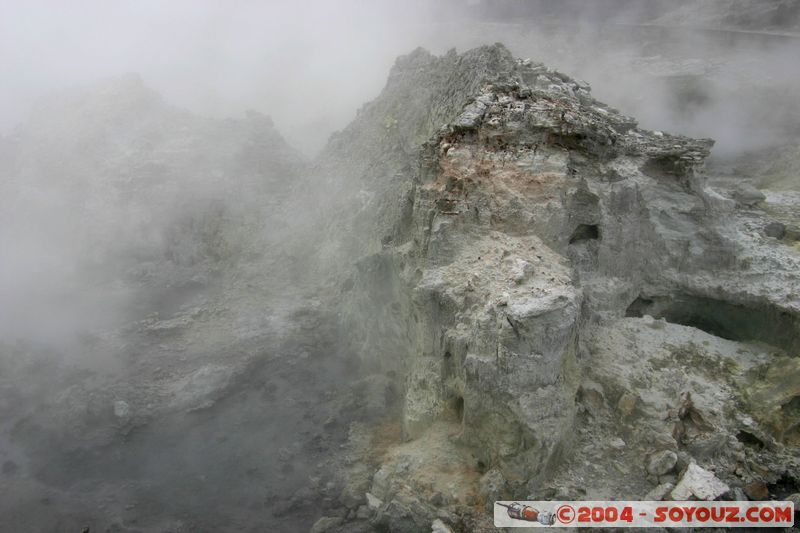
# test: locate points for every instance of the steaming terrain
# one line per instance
(182, 352)
(490, 284)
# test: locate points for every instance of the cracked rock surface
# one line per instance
(568, 289)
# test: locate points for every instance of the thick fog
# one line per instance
(308, 64)
(170, 252)
(311, 64)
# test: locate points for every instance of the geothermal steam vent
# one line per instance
(488, 286)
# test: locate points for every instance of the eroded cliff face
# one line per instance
(538, 225)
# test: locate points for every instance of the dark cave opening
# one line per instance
(723, 319)
(748, 439)
(585, 232)
(783, 487)
(639, 307)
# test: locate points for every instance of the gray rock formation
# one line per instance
(519, 225)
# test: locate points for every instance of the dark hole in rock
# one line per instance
(723, 319)
(458, 406)
(573, 142)
(775, 229)
(785, 486)
(481, 466)
(639, 307)
(667, 168)
(748, 439)
(792, 406)
(448, 365)
(585, 232)
(392, 396)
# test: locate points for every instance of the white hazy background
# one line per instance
(310, 64)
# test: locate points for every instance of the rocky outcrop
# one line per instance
(531, 216)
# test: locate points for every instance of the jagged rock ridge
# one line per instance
(535, 221)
